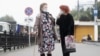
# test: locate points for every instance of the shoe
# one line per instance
(42, 54)
(49, 54)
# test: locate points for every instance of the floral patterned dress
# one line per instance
(48, 35)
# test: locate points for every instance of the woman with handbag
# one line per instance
(66, 24)
(44, 27)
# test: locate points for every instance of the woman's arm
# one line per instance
(58, 21)
(36, 25)
(71, 25)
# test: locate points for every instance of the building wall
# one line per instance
(81, 31)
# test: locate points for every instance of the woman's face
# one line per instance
(62, 12)
(45, 8)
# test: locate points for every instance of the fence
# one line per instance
(14, 41)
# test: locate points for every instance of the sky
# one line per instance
(15, 8)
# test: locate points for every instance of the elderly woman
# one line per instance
(44, 26)
(66, 23)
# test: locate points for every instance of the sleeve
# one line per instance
(58, 21)
(36, 25)
(71, 26)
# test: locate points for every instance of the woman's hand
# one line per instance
(58, 40)
(35, 33)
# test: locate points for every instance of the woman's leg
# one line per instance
(49, 53)
(63, 46)
(41, 51)
(67, 54)
(42, 54)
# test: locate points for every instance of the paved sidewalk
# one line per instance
(82, 50)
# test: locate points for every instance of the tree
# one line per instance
(75, 14)
(81, 15)
(7, 19)
(84, 18)
(88, 13)
(98, 6)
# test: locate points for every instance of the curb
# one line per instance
(92, 43)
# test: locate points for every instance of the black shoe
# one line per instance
(49, 54)
(42, 54)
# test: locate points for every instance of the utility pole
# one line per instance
(95, 22)
(78, 6)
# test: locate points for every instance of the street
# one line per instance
(82, 50)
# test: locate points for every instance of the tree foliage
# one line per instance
(85, 14)
(7, 19)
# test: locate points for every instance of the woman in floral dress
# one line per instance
(44, 26)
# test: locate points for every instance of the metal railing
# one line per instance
(14, 41)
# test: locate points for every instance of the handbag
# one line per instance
(70, 44)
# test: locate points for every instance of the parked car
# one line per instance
(4, 26)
